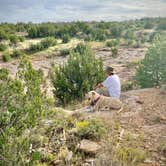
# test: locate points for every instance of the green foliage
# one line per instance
(162, 25)
(76, 77)
(22, 104)
(3, 35)
(151, 71)
(4, 74)
(128, 85)
(17, 53)
(64, 52)
(3, 47)
(112, 43)
(21, 38)
(129, 156)
(114, 51)
(43, 45)
(148, 25)
(14, 39)
(65, 38)
(116, 30)
(90, 129)
(6, 57)
(81, 48)
(48, 42)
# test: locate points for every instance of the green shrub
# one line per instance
(64, 52)
(43, 45)
(128, 85)
(19, 112)
(14, 39)
(129, 156)
(114, 51)
(162, 25)
(112, 43)
(76, 77)
(17, 53)
(65, 38)
(151, 71)
(21, 38)
(6, 57)
(90, 129)
(3, 47)
(48, 42)
(116, 30)
(35, 48)
(4, 74)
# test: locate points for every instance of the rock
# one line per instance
(148, 161)
(88, 146)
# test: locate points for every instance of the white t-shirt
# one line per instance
(112, 83)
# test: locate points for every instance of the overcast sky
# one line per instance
(74, 10)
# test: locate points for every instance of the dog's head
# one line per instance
(92, 96)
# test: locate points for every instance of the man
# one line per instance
(111, 86)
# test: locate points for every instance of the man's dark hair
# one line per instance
(109, 69)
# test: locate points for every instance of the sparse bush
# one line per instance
(43, 45)
(13, 39)
(3, 47)
(48, 42)
(6, 57)
(76, 77)
(81, 49)
(19, 112)
(17, 53)
(21, 38)
(151, 71)
(128, 85)
(35, 48)
(90, 129)
(149, 25)
(4, 74)
(112, 43)
(3, 35)
(64, 52)
(116, 30)
(162, 147)
(114, 51)
(65, 38)
(129, 156)
(162, 25)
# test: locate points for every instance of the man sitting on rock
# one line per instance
(111, 85)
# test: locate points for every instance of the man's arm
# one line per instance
(98, 86)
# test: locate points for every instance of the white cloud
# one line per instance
(87, 10)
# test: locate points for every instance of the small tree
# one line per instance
(14, 39)
(113, 44)
(22, 104)
(152, 70)
(76, 77)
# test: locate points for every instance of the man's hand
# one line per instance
(98, 86)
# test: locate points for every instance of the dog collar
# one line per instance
(95, 101)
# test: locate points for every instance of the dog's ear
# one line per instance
(93, 92)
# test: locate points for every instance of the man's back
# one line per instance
(112, 83)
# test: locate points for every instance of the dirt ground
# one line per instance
(144, 114)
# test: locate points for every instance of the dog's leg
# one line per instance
(119, 111)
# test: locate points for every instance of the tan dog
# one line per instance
(103, 103)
